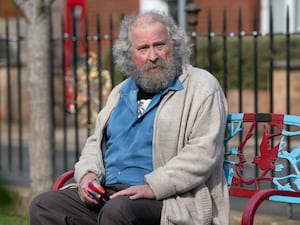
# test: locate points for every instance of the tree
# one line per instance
(40, 127)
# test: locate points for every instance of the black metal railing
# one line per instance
(13, 156)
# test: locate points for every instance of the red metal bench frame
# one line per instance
(274, 155)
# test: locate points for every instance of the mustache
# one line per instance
(151, 65)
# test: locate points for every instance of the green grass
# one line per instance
(7, 205)
(7, 219)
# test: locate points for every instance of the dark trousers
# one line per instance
(66, 208)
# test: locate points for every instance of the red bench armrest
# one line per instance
(255, 201)
(62, 180)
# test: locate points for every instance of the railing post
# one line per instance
(192, 10)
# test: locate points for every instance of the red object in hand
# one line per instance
(98, 192)
(96, 187)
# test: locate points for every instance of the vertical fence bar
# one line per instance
(209, 44)
(87, 68)
(111, 40)
(225, 51)
(99, 62)
(20, 98)
(240, 73)
(255, 59)
(65, 130)
(271, 59)
(240, 61)
(255, 65)
(288, 90)
(5, 41)
(9, 97)
(288, 61)
(255, 82)
(75, 39)
(51, 69)
(271, 68)
(224, 41)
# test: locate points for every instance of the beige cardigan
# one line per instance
(187, 151)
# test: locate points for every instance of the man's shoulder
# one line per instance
(200, 76)
(196, 73)
(120, 85)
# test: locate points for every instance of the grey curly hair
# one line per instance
(121, 49)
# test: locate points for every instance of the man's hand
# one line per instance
(85, 196)
(136, 192)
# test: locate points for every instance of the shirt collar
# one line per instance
(175, 86)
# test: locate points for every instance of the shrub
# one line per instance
(242, 69)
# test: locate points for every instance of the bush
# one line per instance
(5, 198)
(241, 70)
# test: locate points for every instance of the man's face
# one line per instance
(154, 66)
(150, 44)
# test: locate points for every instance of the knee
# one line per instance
(36, 208)
(115, 210)
(113, 207)
(43, 204)
(34, 204)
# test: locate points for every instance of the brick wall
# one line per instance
(248, 7)
(116, 8)
(217, 7)
(105, 9)
(112, 7)
(8, 9)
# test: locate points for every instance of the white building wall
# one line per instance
(279, 9)
(160, 5)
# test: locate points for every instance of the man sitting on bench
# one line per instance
(158, 145)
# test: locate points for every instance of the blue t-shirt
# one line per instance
(128, 156)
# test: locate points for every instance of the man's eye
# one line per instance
(142, 49)
(160, 46)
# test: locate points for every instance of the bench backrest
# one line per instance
(262, 151)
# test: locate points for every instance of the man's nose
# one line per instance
(153, 56)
